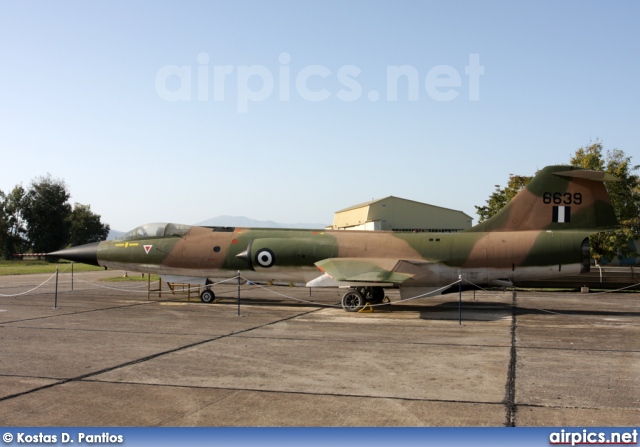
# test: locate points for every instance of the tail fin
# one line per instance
(558, 198)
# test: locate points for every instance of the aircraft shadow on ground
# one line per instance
(479, 310)
(472, 310)
(275, 301)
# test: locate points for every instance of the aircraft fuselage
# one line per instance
(291, 255)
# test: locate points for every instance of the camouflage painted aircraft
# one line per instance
(541, 233)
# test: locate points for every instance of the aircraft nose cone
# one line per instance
(86, 254)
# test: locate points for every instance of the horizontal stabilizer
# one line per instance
(596, 176)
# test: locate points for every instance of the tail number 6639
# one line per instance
(559, 198)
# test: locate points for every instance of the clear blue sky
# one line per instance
(120, 100)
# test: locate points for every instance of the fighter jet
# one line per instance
(543, 232)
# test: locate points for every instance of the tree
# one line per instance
(625, 198)
(589, 157)
(42, 220)
(501, 197)
(47, 212)
(4, 228)
(85, 226)
(12, 229)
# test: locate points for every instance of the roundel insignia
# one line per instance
(265, 258)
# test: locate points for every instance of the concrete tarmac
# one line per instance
(113, 357)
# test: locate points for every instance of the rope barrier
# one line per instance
(615, 290)
(290, 297)
(129, 289)
(551, 311)
(120, 289)
(29, 291)
(237, 277)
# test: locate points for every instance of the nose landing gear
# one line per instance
(207, 296)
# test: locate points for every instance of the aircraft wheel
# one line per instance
(373, 295)
(353, 301)
(207, 296)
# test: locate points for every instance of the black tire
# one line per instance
(207, 296)
(353, 301)
(373, 295)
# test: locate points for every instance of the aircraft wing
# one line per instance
(368, 270)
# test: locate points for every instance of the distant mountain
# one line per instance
(242, 221)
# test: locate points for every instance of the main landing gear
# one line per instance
(355, 299)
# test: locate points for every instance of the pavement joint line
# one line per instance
(47, 293)
(30, 377)
(161, 385)
(579, 349)
(149, 357)
(302, 393)
(79, 312)
(510, 397)
(36, 328)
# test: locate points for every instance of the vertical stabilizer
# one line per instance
(558, 198)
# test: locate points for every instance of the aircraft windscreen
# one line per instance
(153, 230)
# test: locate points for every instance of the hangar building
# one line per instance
(396, 214)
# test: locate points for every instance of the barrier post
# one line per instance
(55, 299)
(460, 300)
(238, 292)
(72, 276)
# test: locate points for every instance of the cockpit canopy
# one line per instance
(154, 230)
